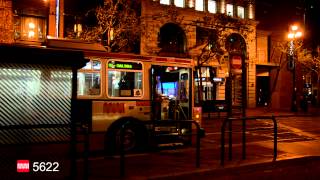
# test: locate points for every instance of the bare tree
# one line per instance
(303, 58)
(212, 48)
(117, 25)
(310, 65)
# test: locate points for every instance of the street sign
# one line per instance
(236, 62)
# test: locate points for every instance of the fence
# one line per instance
(161, 122)
(244, 119)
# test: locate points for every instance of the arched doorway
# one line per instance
(236, 91)
(172, 40)
(235, 43)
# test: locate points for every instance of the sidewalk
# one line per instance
(264, 111)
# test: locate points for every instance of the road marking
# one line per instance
(298, 131)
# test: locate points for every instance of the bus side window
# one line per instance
(124, 84)
(89, 79)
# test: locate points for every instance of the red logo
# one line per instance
(113, 107)
(23, 166)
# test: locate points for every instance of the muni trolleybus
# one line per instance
(115, 88)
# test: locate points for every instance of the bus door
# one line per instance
(171, 92)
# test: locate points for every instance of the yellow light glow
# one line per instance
(291, 35)
(251, 11)
(191, 4)
(32, 25)
(31, 34)
(294, 28)
(197, 116)
(222, 6)
(298, 34)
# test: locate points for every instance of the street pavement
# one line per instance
(298, 154)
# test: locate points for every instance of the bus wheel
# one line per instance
(135, 136)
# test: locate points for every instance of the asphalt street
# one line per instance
(298, 137)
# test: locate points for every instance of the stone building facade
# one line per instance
(175, 28)
(229, 22)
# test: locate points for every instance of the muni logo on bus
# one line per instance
(113, 107)
(23, 166)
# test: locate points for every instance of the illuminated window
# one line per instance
(222, 7)
(179, 3)
(229, 9)
(199, 5)
(89, 79)
(212, 6)
(29, 28)
(167, 2)
(240, 12)
(191, 3)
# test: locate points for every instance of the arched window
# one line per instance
(172, 39)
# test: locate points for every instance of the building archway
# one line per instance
(236, 44)
(236, 89)
(172, 40)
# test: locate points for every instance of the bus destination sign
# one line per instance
(124, 65)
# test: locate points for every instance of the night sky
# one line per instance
(278, 15)
(80, 6)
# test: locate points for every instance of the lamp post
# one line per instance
(293, 35)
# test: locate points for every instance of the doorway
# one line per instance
(171, 92)
(263, 90)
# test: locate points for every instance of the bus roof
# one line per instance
(91, 49)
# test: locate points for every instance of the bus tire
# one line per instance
(135, 137)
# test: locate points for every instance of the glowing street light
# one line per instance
(293, 34)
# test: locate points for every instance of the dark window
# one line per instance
(208, 37)
(172, 40)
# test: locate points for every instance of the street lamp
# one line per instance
(293, 35)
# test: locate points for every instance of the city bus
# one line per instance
(116, 89)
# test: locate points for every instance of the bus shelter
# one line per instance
(38, 90)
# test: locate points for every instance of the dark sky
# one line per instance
(80, 6)
(278, 15)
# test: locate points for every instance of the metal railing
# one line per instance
(160, 122)
(229, 120)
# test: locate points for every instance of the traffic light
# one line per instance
(291, 63)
